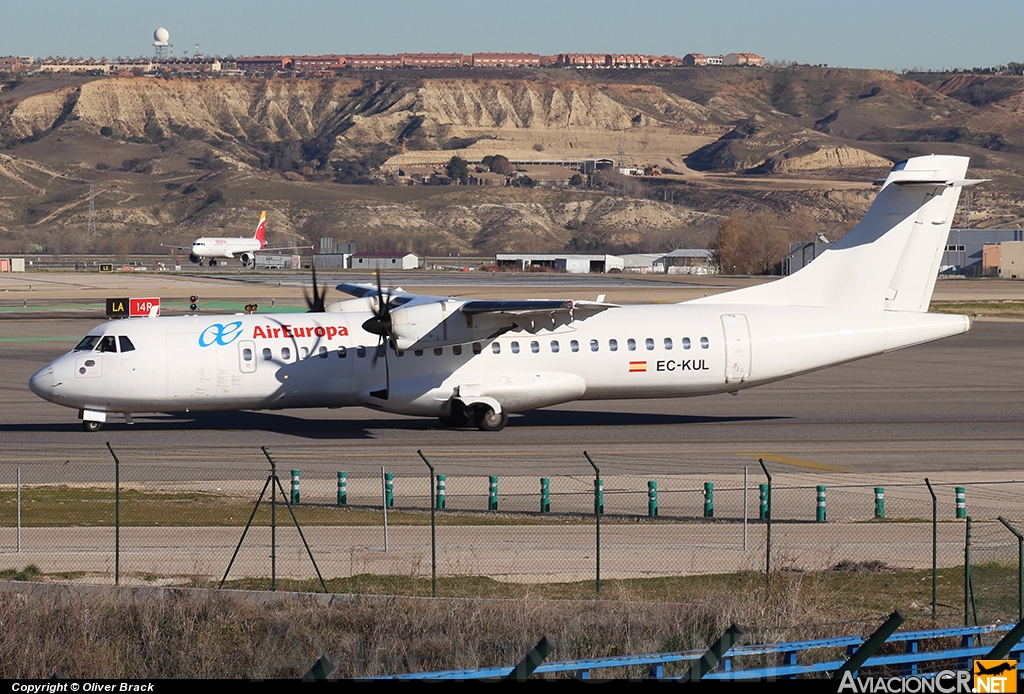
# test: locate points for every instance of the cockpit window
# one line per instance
(87, 343)
(126, 344)
(108, 343)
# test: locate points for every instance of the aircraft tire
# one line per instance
(213, 263)
(91, 426)
(488, 420)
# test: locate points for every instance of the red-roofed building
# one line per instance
(751, 59)
(264, 63)
(433, 59)
(373, 61)
(506, 60)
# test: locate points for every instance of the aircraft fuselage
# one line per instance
(226, 362)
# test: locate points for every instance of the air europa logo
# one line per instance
(220, 334)
(290, 331)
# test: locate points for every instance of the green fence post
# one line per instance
(819, 515)
(389, 489)
(709, 499)
(762, 512)
(492, 493)
(652, 498)
(545, 495)
(342, 488)
(879, 502)
(961, 503)
(598, 496)
(295, 487)
(441, 491)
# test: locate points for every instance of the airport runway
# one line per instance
(952, 406)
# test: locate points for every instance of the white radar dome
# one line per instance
(161, 35)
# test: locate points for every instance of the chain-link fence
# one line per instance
(367, 523)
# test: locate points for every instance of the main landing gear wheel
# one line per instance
(91, 426)
(488, 420)
(213, 263)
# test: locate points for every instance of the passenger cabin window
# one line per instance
(360, 351)
(342, 353)
(704, 344)
(246, 354)
(668, 343)
(649, 343)
(477, 348)
(286, 354)
(496, 348)
(613, 345)
(514, 347)
(322, 352)
(594, 345)
(438, 351)
(574, 345)
(457, 350)
(535, 347)
(126, 344)
(686, 343)
(554, 346)
(418, 352)
(107, 344)
(305, 352)
(267, 356)
(631, 345)
(381, 349)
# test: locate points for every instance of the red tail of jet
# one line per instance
(261, 229)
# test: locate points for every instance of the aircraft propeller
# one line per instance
(316, 302)
(380, 324)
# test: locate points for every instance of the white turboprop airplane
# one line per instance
(214, 248)
(466, 360)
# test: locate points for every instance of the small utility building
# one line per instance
(560, 262)
(383, 260)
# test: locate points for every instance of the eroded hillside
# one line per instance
(164, 159)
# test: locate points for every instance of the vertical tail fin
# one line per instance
(261, 229)
(891, 259)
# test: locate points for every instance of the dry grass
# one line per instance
(93, 633)
(1008, 308)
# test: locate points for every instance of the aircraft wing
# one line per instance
(180, 248)
(545, 307)
(280, 248)
(433, 321)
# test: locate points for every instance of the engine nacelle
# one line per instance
(194, 258)
(246, 259)
(439, 323)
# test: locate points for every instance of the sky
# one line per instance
(895, 35)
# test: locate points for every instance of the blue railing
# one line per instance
(796, 658)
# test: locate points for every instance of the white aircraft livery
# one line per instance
(469, 361)
(214, 248)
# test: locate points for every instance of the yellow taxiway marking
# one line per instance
(798, 462)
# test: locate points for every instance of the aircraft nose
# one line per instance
(44, 382)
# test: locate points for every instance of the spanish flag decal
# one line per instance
(637, 367)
